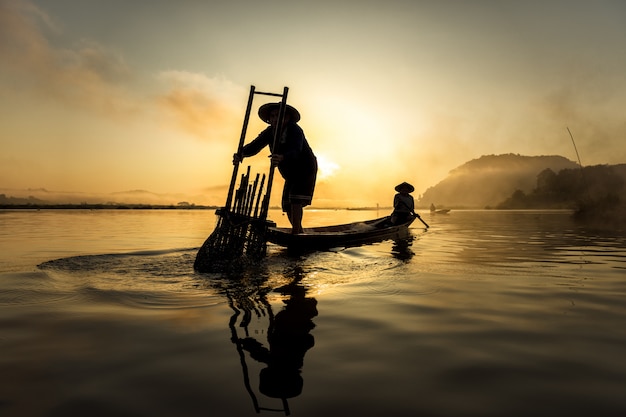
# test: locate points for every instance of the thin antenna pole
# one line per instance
(577, 156)
(582, 172)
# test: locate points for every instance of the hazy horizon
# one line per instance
(498, 169)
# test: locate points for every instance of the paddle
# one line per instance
(414, 214)
(420, 219)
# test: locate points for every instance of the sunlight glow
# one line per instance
(326, 167)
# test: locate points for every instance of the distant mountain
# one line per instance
(43, 197)
(10, 200)
(490, 179)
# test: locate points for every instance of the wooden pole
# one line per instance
(277, 133)
(242, 138)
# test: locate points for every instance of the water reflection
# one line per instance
(520, 238)
(280, 348)
(401, 249)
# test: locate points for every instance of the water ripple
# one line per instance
(31, 288)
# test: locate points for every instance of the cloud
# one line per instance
(85, 75)
(207, 108)
(96, 78)
(591, 106)
(21, 41)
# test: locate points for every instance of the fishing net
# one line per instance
(239, 236)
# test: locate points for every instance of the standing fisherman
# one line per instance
(292, 155)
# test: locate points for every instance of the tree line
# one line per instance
(599, 187)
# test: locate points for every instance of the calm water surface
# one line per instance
(484, 314)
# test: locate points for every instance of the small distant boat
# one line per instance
(434, 210)
(344, 235)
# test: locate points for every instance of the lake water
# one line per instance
(486, 313)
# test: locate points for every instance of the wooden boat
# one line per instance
(433, 210)
(343, 235)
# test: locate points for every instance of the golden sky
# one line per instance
(100, 97)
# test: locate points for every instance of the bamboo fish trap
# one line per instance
(239, 235)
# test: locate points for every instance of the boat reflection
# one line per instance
(282, 346)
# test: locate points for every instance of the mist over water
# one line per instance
(487, 313)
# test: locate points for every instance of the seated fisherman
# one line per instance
(403, 204)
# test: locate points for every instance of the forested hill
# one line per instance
(490, 179)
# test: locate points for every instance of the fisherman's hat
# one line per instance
(406, 185)
(266, 109)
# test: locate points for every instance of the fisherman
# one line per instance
(292, 155)
(403, 204)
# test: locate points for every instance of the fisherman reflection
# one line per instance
(289, 339)
(401, 249)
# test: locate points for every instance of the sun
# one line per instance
(325, 167)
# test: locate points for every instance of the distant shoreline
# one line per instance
(39, 207)
(102, 207)
(95, 206)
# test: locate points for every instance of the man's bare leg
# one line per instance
(295, 217)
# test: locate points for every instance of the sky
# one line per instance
(104, 98)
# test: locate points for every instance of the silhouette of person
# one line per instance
(403, 204)
(401, 249)
(292, 155)
(289, 339)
